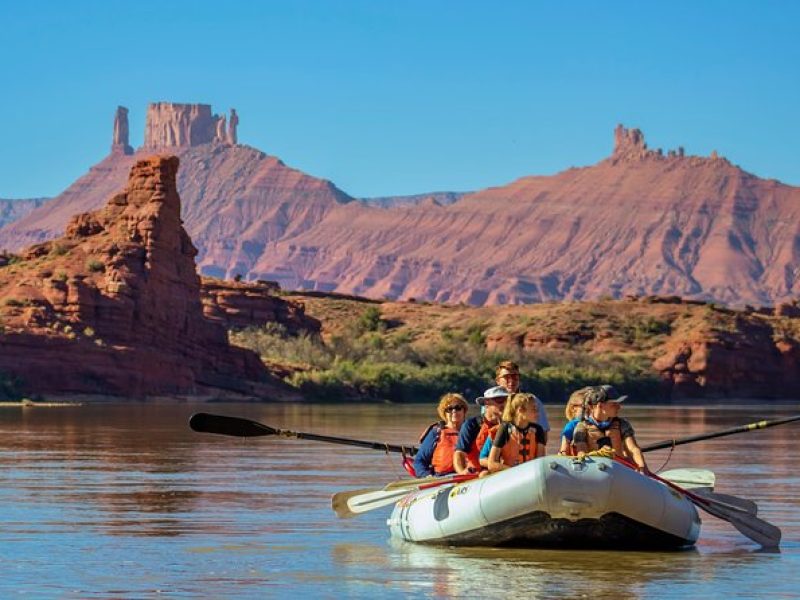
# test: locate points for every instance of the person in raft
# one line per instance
(518, 438)
(438, 442)
(602, 426)
(475, 430)
(573, 411)
(507, 375)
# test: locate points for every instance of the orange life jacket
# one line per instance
(520, 447)
(474, 454)
(587, 437)
(442, 461)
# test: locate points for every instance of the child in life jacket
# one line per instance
(602, 426)
(573, 411)
(518, 438)
(438, 442)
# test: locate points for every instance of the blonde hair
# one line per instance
(574, 398)
(448, 399)
(517, 402)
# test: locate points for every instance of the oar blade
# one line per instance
(224, 425)
(354, 502)
(691, 478)
(765, 534)
(733, 502)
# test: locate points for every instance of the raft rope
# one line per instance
(669, 456)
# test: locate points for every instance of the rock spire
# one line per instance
(120, 143)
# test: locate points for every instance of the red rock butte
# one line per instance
(641, 222)
(114, 306)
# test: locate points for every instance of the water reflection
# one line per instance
(131, 485)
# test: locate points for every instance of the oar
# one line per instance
(735, 502)
(721, 433)
(691, 478)
(354, 502)
(236, 426)
(748, 524)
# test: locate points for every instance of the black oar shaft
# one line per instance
(716, 434)
(347, 442)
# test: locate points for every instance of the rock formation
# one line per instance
(233, 137)
(639, 222)
(114, 306)
(119, 143)
(171, 125)
(238, 305)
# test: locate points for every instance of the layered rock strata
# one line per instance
(640, 222)
(114, 306)
(170, 125)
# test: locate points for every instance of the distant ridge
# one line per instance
(641, 222)
(12, 210)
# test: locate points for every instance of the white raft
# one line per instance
(553, 501)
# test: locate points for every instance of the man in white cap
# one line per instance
(475, 430)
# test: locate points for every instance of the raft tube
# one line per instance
(552, 501)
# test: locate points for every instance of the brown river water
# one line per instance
(125, 501)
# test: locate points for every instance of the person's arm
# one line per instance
(424, 456)
(636, 453)
(460, 462)
(541, 450)
(495, 463)
(631, 446)
(566, 437)
(485, 451)
(541, 440)
(466, 437)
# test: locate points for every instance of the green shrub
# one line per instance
(370, 320)
(95, 266)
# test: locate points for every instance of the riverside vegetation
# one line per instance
(405, 352)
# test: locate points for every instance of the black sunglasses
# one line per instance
(453, 408)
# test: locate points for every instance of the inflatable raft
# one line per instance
(553, 501)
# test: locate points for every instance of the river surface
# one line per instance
(124, 501)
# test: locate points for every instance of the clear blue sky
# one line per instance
(400, 97)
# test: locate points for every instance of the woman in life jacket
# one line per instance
(573, 411)
(519, 438)
(602, 426)
(438, 442)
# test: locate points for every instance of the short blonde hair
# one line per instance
(447, 400)
(576, 399)
(516, 402)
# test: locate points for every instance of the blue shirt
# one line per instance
(469, 433)
(424, 456)
(569, 428)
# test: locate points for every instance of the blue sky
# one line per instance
(391, 97)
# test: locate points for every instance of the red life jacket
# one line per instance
(445, 446)
(442, 461)
(474, 454)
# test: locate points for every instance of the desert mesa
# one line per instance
(639, 222)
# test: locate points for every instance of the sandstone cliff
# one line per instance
(641, 221)
(114, 306)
